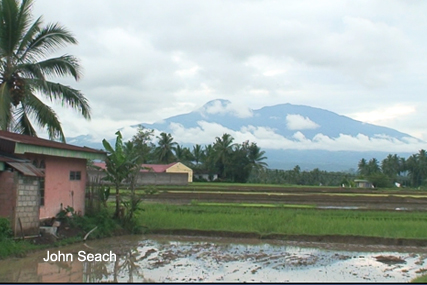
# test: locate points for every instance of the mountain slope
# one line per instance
(286, 120)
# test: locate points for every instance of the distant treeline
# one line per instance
(390, 172)
(394, 169)
(295, 176)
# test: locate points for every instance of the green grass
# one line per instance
(9, 247)
(281, 220)
(12, 247)
(421, 279)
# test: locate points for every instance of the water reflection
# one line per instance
(157, 259)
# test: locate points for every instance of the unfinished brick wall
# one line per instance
(27, 206)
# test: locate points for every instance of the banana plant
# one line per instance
(119, 166)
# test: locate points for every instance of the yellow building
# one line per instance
(178, 167)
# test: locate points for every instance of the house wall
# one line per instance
(150, 178)
(19, 197)
(8, 186)
(181, 168)
(27, 206)
(59, 189)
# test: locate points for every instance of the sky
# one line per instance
(144, 61)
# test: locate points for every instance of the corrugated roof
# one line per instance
(26, 168)
(24, 139)
(158, 168)
(22, 165)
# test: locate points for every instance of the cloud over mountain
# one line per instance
(298, 122)
(284, 126)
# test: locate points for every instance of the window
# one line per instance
(41, 187)
(75, 175)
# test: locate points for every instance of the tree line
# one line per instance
(392, 170)
(231, 161)
(296, 176)
(411, 171)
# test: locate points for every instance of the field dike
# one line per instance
(340, 239)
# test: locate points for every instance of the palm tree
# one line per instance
(256, 156)
(197, 153)
(208, 158)
(373, 166)
(142, 143)
(183, 154)
(166, 146)
(24, 71)
(390, 166)
(223, 147)
(363, 167)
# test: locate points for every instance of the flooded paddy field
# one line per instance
(157, 258)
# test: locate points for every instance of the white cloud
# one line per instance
(224, 107)
(298, 122)
(267, 138)
(383, 114)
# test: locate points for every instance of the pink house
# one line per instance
(40, 177)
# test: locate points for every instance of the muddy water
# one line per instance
(185, 259)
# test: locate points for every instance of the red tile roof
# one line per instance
(24, 139)
(157, 168)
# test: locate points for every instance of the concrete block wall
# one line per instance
(146, 178)
(150, 178)
(27, 206)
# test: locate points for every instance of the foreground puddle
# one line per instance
(182, 259)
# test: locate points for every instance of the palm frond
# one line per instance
(65, 94)
(9, 28)
(44, 116)
(24, 16)
(29, 71)
(22, 124)
(21, 52)
(49, 39)
(61, 66)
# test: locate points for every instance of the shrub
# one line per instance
(5, 229)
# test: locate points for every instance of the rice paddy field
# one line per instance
(297, 196)
(388, 216)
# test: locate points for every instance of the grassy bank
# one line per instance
(280, 220)
(106, 227)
